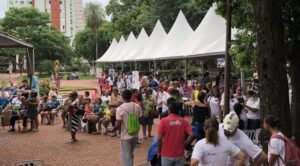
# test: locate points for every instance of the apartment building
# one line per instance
(66, 15)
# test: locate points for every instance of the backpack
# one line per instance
(133, 124)
(292, 152)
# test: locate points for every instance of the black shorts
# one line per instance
(144, 121)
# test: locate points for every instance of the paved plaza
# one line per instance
(52, 144)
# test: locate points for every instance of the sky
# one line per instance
(3, 5)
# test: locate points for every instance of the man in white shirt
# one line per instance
(252, 108)
(229, 130)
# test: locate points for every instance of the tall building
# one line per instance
(66, 15)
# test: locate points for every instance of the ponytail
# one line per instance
(211, 127)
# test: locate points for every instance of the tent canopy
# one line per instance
(157, 36)
(110, 50)
(8, 41)
(178, 34)
(121, 54)
(208, 40)
(138, 46)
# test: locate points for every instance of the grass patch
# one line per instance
(71, 88)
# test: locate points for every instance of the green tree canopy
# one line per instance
(32, 26)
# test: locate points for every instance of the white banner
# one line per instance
(135, 80)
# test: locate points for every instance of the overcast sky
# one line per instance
(3, 5)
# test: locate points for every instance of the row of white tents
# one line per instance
(208, 40)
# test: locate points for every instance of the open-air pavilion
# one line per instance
(8, 41)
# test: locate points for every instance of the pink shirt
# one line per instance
(122, 114)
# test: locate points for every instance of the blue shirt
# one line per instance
(54, 104)
(4, 102)
(153, 84)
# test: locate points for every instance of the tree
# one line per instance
(94, 15)
(84, 43)
(32, 26)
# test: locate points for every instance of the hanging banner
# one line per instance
(35, 83)
(135, 80)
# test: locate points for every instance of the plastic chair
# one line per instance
(5, 118)
(253, 135)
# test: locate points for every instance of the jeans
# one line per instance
(128, 147)
(176, 161)
(13, 119)
(253, 124)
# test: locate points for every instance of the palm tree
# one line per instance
(94, 15)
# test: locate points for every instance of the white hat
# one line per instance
(231, 122)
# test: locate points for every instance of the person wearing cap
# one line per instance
(213, 150)
(252, 108)
(32, 111)
(229, 131)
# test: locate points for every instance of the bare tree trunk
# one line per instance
(271, 61)
(295, 82)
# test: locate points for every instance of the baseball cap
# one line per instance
(231, 122)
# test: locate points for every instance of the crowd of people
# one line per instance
(118, 108)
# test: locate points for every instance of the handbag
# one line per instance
(154, 113)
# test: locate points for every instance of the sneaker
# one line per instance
(12, 130)
(35, 130)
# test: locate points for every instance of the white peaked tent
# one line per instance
(108, 56)
(130, 42)
(138, 46)
(118, 49)
(110, 50)
(157, 36)
(179, 33)
(208, 39)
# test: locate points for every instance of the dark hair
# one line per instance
(87, 93)
(88, 100)
(211, 127)
(251, 93)
(127, 95)
(238, 109)
(171, 99)
(174, 107)
(25, 81)
(201, 97)
(273, 121)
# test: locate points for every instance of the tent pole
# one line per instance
(154, 68)
(149, 66)
(243, 81)
(122, 66)
(139, 66)
(135, 66)
(185, 69)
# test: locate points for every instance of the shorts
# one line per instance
(144, 121)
